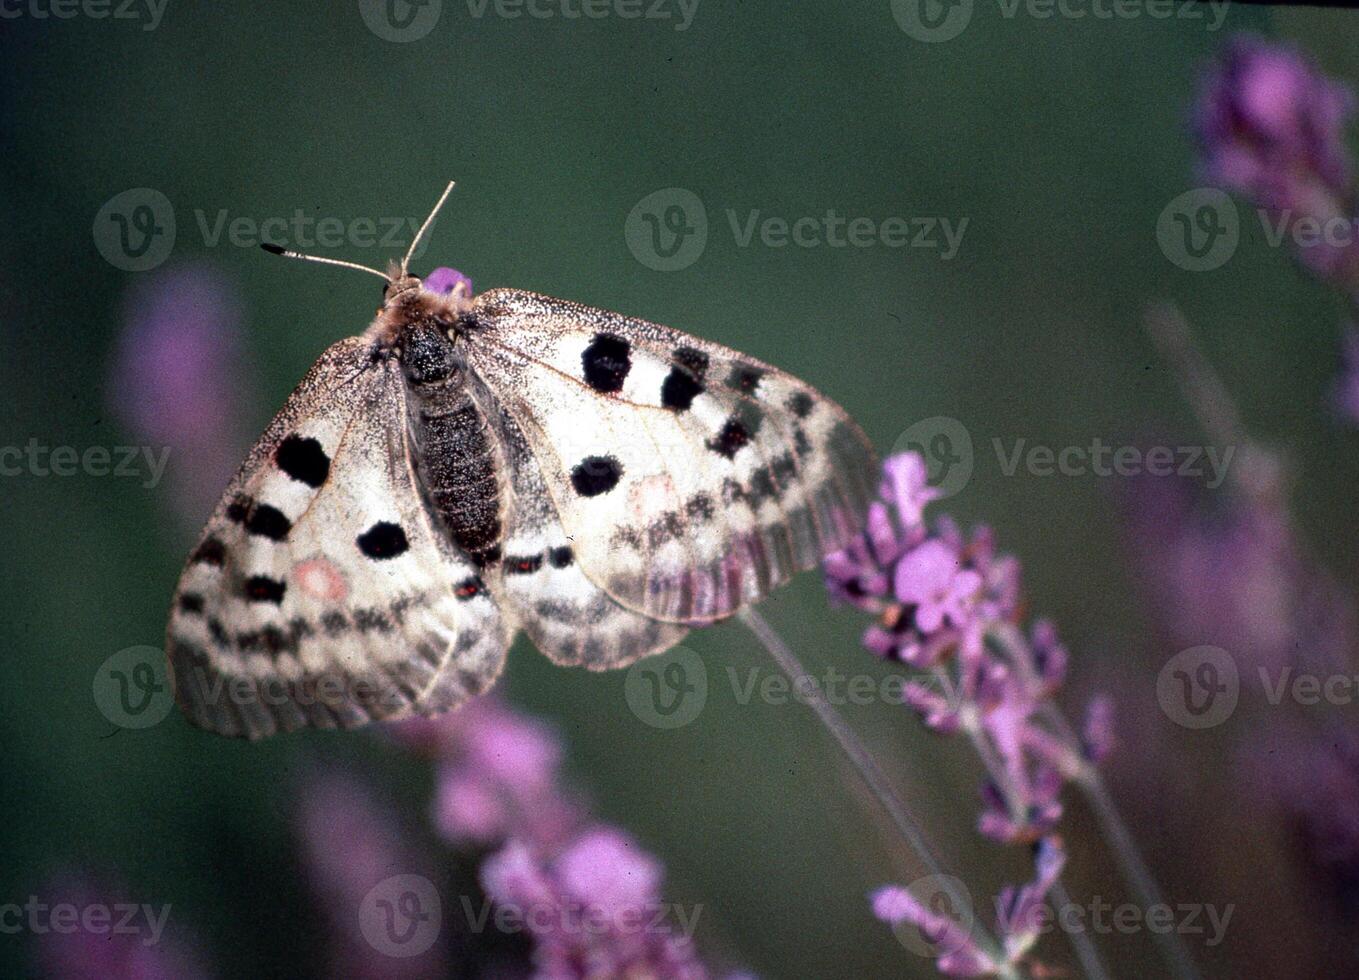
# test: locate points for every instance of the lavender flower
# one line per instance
(585, 892)
(948, 606)
(178, 380)
(592, 909)
(1234, 575)
(1271, 127)
(1018, 912)
(497, 776)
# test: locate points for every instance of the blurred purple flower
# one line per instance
(1311, 776)
(1345, 388)
(958, 953)
(497, 775)
(92, 949)
(1271, 127)
(585, 892)
(349, 844)
(178, 380)
(445, 280)
(1233, 576)
(593, 909)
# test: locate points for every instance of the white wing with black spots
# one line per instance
(321, 593)
(692, 479)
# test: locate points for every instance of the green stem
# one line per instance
(906, 825)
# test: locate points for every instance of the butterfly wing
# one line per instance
(569, 618)
(320, 593)
(692, 479)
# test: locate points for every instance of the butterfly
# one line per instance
(473, 466)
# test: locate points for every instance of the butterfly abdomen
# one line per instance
(459, 471)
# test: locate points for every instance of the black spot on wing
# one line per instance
(560, 556)
(731, 439)
(239, 509)
(262, 588)
(699, 508)
(210, 551)
(268, 522)
(303, 459)
(744, 379)
(679, 389)
(523, 564)
(801, 404)
(693, 361)
(383, 540)
(594, 475)
(469, 588)
(606, 362)
(192, 603)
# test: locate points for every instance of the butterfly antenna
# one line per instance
(287, 254)
(425, 227)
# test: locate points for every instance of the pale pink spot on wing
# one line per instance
(320, 579)
(651, 497)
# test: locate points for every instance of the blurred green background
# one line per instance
(1060, 141)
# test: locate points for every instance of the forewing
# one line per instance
(320, 594)
(692, 479)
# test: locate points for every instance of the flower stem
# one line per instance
(1080, 942)
(868, 769)
(1124, 846)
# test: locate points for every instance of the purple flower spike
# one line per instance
(1271, 125)
(178, 381)
(445, 280)
(953, 615)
